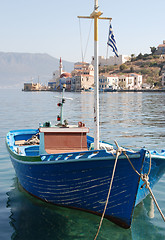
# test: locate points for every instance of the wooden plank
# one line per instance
(20, 142)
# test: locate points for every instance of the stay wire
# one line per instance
(81, 41)
(83, 53)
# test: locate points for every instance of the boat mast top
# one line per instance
(96, 5)
(96, 15)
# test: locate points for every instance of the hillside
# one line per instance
(17, 68)
(150, 66)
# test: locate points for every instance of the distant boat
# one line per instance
(109, 90)
(89, 90)
(63, 165)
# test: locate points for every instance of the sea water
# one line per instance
(132, 119)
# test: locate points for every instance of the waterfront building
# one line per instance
(138, 80)
(82, 82)
(82, 76)
(163, 75)
(126, 82)
(52, 84)
(65, 78)
(112, 60)
(108, 82)
(32, 86)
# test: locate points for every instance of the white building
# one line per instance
(126, 82)
(112, 60)
(138, 80)
(110, 81)
(129, 81)
(56, 75)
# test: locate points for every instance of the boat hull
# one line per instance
(84, 184)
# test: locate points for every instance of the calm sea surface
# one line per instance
(133, 119)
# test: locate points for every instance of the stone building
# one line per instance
(82, 76)
(83, 68)
(32, 86)
(82, 82)
(112, 60)
(161, 49)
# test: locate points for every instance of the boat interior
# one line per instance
(53, 140)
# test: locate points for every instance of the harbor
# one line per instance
(130, 116)
(130, 75)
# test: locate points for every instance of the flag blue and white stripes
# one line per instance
(111, 41)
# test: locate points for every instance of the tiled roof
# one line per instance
(161, 45)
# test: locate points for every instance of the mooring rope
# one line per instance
(152, 195)
(118, 152)
(145, 178)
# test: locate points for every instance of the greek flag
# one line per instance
(111, 41)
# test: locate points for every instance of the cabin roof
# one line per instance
(64, 129)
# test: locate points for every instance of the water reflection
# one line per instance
(143, 226)
(32, 219)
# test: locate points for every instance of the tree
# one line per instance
(131, 69)
(132, 57)
(140, 56)
(122, 67)
(153, 50)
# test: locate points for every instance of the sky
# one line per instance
(52, 27)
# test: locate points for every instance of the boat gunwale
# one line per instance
(38, 160)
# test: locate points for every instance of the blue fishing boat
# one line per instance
(81, 178)
(64, 165)
(78, 177)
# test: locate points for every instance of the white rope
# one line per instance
(145, 179)
(33, 140)
(118, 152)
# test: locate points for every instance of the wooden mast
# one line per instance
(96, 15)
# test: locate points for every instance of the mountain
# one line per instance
(17, 68)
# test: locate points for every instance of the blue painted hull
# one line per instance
(84, 185)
